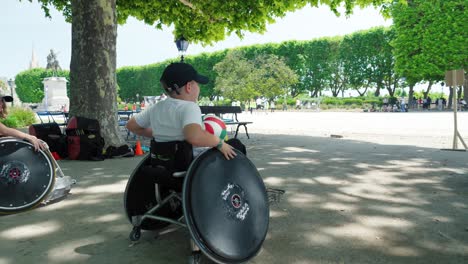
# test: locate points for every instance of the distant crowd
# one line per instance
(401, 105)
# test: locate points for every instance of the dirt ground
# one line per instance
(383, 191)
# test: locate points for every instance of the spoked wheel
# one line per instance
(26, 176)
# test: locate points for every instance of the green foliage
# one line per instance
(10, 121)
(368, 60)
(23, 116)
(3, 85)
(431, 38)
(242, 79)
(350, 103)
(209, 21)
(29, 86)
(141, 80)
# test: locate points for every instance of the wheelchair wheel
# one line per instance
(26, 176)
(226, 207)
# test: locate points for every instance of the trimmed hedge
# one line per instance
(19, 117)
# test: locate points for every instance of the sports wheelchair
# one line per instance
(28, 178)
(223, 203)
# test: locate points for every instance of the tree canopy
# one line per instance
(94, 32)
(242, 79)
(208, 21)
(431, 38)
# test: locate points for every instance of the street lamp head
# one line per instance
(182, 45)
(11, 82)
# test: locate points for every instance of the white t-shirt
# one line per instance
(169, 117)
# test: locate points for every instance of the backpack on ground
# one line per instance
(84, 139)
(52, 135)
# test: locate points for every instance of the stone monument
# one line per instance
(55, 94)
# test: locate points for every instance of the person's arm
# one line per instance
(6, 131)
(198, 137)
(133, 126)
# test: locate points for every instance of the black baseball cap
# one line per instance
(178, 74)
(7, 98)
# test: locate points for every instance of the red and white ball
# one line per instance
(215, 125)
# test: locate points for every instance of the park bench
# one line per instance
(59, 117)
(232, 121)
(123, 116)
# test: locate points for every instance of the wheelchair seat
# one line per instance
(152, 198)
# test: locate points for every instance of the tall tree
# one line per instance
(234, 77)
(338, 80)
(316, 68)
(242, 79)
(94, 27)
(431, 38)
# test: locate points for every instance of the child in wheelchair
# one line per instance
(177, 132)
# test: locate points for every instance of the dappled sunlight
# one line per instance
(296, 149)
(319, 239)
(402, 251)
(344, 198)
(382, 221)
(306, 181)
(65, 252)
(276, 213)
(330, 180)
(276, 181)
(104, 188)
(441, 219)
(452, 246)
(279, 163)
(379, 193)
(302, 160)
(340, 159)
(31, 230)
(339, 206)
(5, 260)
(397, 209)
(119, 229)
(346, 201)
(356, 231)
(303, 200)
(68, 202)
(459, 205)
(103, 218)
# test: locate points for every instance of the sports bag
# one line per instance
(52, 135)
(84, 139)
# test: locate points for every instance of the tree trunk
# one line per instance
(377, 91)
(411, 95)
(450, 98)
(93, 92)
(465, 87)
(426, 93)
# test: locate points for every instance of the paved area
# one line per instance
(382, 193)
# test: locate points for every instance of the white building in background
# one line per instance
(34, 63)
(55, 95)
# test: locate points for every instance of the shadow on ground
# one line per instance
(346, 202)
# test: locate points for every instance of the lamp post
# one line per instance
(11, 82)
(182, 45)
